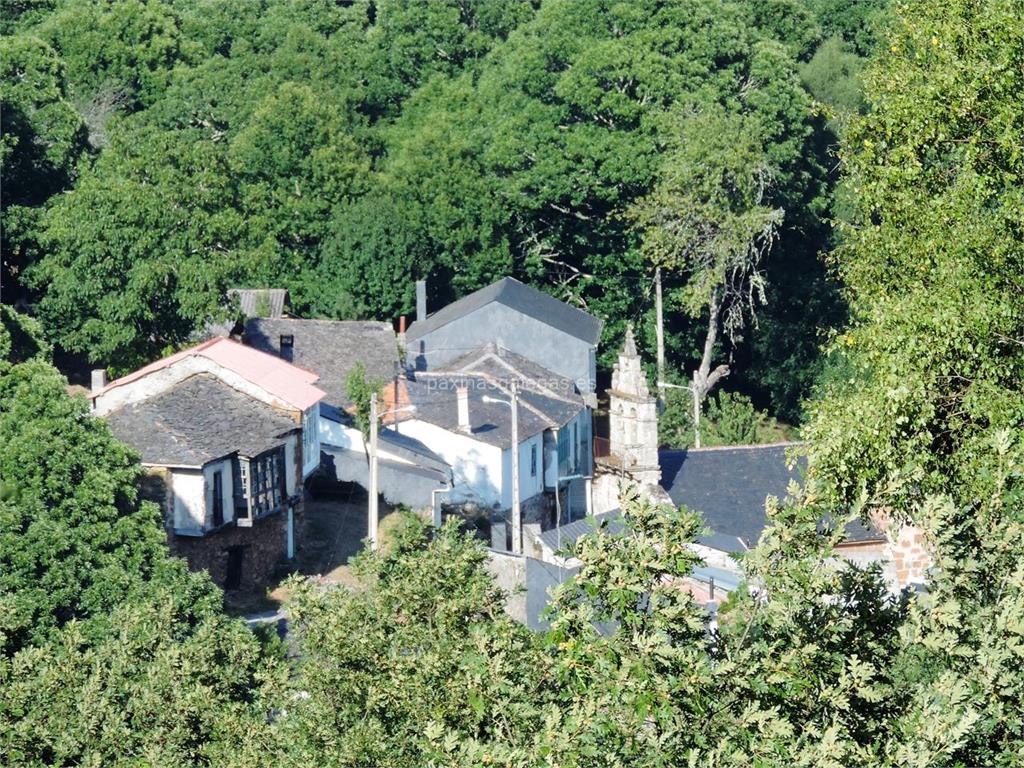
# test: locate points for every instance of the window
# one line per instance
(563, 446)
(265, 491)
(218, 499)
(533, 460)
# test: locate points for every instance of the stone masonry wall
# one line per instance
(264, 549)
(907, 550)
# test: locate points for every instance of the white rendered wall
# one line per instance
(188, 488)
(227, 490)
(529, 486)
(350, 438)
(477, 467)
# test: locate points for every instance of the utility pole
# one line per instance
(660, 327)
(373, 513)
(517, 512)
(696, 412)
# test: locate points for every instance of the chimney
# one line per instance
(99, 379)
(421, 300)
(401, 325)
(463, 397)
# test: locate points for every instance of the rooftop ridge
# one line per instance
(744, 447)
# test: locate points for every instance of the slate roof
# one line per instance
(291, 384)
(197, 421)
(521, 297)
(546, 399)
(274, 301)
(412, 449)
(729, 486)
(562, 537)
(331, 348)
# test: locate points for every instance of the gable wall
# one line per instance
(496, 323)
(162, 380)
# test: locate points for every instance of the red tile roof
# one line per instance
(280, 378)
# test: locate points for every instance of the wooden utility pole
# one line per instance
(517, 512)
(660, 330)
(696, 412)
(373, 510)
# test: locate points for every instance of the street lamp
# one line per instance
(517, 513)
(374, 512)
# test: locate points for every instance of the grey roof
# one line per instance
(260, 302)
(729, 487)
(566, 535)
(723, 542)
(521, 297)
(331, 348)
(412, 449)
(546, 399)
(197, 421)
(399, 483)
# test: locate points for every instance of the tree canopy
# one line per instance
(245, 148)
(111, 652)
(345, 150)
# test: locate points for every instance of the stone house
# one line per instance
(227, 436)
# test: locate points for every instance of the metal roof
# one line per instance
(521, 297)
(260, 302)
(291, 384)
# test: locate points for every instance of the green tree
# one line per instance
(730, 419)
(111, 652)
(140, 251)
(21, 337)
(118, 52)
(41, 141)
(709, 219)
(360, 389)
(923, 415)
(421, 656)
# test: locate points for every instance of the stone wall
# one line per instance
(907, 555)
(263, 546)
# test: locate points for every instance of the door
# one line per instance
(233, 576)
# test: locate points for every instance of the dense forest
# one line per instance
(156, 152)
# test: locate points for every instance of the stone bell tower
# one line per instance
(633, 417)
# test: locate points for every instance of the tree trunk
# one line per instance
(704, 378)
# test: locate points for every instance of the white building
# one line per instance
(463, 414)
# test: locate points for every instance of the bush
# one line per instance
(729, 418)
